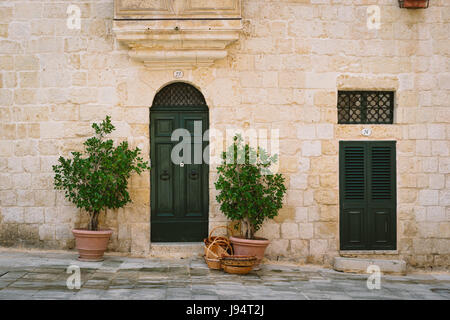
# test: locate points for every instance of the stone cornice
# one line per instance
(181, 41)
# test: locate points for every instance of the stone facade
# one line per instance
(283, 73)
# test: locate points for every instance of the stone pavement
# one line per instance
(43, 275)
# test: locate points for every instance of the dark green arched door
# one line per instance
(179, 174)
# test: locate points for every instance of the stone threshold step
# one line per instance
(359, 265)
(176, 249)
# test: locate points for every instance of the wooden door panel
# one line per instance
(367, 182)
(165, 185)
(179, 192)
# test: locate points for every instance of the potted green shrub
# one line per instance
(95, 181)
(249, 194)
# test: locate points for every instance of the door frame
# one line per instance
(200, 109)
(366, 227)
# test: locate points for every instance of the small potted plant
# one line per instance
(95, 181)
(248, 194)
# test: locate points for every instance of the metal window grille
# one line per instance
(365, 107)
(179, 94)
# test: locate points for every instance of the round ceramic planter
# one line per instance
(250, 247)
(91, 245)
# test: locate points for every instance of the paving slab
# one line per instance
(42, 275)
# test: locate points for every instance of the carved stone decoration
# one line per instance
(167, 34)
(173, 9)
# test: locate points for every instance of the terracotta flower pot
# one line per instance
(415, 3)
(250, 247)
(91, 245)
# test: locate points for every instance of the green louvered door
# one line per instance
(367, 183)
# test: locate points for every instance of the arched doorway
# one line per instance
(179, 184)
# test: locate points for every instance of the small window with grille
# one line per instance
(366, 107)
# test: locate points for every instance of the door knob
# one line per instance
(182, 164)
(194, 175)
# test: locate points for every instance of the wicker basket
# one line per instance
(216, 246)
(237, 270)
(213, 263)
(238, 264)
(237, 260)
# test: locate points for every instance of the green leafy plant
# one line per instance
(98, 179)
(249, 192)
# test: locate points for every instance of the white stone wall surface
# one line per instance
(283, 73)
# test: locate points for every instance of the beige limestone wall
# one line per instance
(283, 74)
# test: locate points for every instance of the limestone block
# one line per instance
(71, 129)
(423, 147)
(444, 165)
(289, 230)
(407, 180)
(298, 181)
(407, 195)
(306, 230)
(300, 247)
(25, 148)
(63, 231)
(285, 214)
(277, 247)
(8, 198)
(308, 197)
(436, 131)
(140, 238)
(21, 181)
(28, 233)
(437, 181)
(47, 232)
(429, 197)
(311, 148)
(34, 215)
(436, 214)
(444, 197)
(326, 230)
(306, 132)
(12, 215)
(24, 96)
(49, 147)
(318, 246)
(45, 198)
(269, 230)
(294, 198)
(348, 82)
(325, 131)
(65, 112)
(321, 80)
(329, 213)
(324, 164)
(325, 196)
(25, 62)
(301, 214)
(361, 265)
(42, 180)
(329, 181)
(440, 148)
(430, 164)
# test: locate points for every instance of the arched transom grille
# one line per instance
(179, 94)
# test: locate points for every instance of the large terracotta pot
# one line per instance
(91, 245)
(247, 247)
